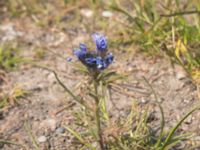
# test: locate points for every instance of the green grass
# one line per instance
(19, 8)
(173, 29)
(9, 61)
(12, 96)
(9, 56)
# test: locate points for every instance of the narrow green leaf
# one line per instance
(79, 137)
(172, 131)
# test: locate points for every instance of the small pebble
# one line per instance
(189, 120)
(42, 139)
(180, 75)
(107, 14)
(60, 130)
(87, 13)
(144, 101)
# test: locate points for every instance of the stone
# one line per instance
(60, 130)
(189, 119)
(143, 100)
(107, 14)
(42, 139)
(180, 72)
(87, 12)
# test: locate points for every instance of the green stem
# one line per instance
(97, 115)
(12, 143)
(162, 121)
(76, 98)
(181, 13)
(32, 136)
(169, 137)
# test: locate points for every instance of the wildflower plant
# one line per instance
(96, 61)
(100, 132)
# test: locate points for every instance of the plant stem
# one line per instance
(97, 115)
(2, 141)
(162, 121)
(181, 13)
(76, 98)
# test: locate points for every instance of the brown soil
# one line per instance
(47, 109)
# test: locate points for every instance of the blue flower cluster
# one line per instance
(99, 59)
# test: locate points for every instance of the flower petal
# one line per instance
(99, 63)
(79, 53)
(83, 47)
(109, 58)
(100, 41)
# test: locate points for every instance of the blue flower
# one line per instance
(109, 58)
(83, 47)
(100, 41)
(95, 60)
(81, 52)
(100, 63)
(103, 63)
(90, 61)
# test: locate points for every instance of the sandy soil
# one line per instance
(47, 109)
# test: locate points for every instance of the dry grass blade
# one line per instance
(13, 143)
(31, 135)
(162, 121)
(79, 137)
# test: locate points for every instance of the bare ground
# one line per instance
(47, 109)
